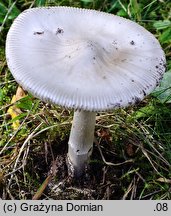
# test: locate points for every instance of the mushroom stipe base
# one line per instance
(81, 139)
(75, 172)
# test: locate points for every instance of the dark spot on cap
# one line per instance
(157, 82)
(38, 33)
(67, 56)
(132, 80)
(132, 42)
(104, 77)
(144, 93)
(116, 105)
(114, 42)
(137, 100)
(59, 31)
(157, 66)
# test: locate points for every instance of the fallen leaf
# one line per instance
(104, 134)
(130, 149)
(13, 110)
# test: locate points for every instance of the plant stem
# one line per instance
(81, 140)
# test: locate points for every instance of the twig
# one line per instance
(109, 163)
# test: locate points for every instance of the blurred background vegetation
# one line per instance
(33, 133)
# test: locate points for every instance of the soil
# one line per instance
(100, 181)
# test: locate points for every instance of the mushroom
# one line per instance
(86, 60)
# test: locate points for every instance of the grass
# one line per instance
(132, 150)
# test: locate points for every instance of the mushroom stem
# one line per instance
(81, 141)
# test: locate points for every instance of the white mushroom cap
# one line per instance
(83, 59)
